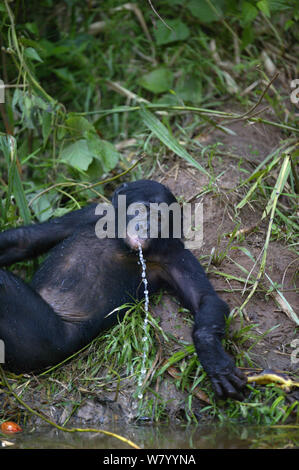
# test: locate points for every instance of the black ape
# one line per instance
(85, 278)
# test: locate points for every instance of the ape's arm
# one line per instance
(187, 277)
(30, 241)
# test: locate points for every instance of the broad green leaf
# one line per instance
(169, 99)
(110, 156)
(249, 12)
(189, 89)
(43, 207)
(157, 81)
(103, 151)
(264, 7)
(288, 24)
(61, 132)
(77, 155)
(28, 104)
(64, 74)
(95, 171)
(201, 9)
(32, 54)
(164, 135)
(77, 125)
(177, 31)
(32, 27)
(248, 36)
(81, 153)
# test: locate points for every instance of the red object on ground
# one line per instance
(9, 427)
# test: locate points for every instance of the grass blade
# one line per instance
(164, 136)
(15, 186)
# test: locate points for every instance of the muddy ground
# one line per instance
(253, 143)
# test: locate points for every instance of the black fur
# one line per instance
(84, 278)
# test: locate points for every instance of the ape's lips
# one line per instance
(134, 241)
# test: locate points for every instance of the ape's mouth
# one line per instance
(138, 236)
(134, 242)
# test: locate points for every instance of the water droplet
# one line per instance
(146, 304)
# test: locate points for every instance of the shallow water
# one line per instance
(161, 437)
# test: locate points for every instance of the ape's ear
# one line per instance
(116, 193)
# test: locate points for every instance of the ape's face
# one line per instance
(146, 205)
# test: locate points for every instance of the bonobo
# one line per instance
(85, 278)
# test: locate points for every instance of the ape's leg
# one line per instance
(187, 277)
(30, 241)
(34, 336)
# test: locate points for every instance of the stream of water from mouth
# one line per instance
(145, 324)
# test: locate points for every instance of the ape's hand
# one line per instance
(227, 380)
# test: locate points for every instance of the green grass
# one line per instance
(111, 365)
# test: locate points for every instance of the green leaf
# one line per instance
(15, 186)
(157, 81)
(32, 54)
(78, 125)
(46, 125)
(177, 31)
(279, 185)
(176, 357)
(104, 151)
(42, 207)
(248, 36)
(77, 155)
(249, 12)
(32, 27)
(164, 135)
(82, 153)
(245, 251)
(264, 7)
(288, 24)
(279, 5)
(95, 171)
(201, 9)
(189, 89)
(64, 74)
